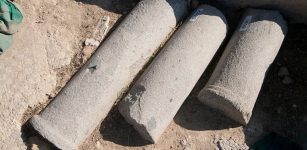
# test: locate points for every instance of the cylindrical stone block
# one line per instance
(157, 95)
(91, 93)
(237, 79)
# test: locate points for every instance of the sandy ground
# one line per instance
(45, 53)
(48, 50)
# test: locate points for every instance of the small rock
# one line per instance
(287, 80)
(87, 52)
(294, 106)
(283, 71)
(34, 147)
(101, 28)
(37, 143)
(98, 145)
(215, 140)
(92, 42)
(183, 142)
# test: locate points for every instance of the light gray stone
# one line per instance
(237, 79)
(156, 97)
(101, 28)
(91, 42)
(89, 96)
(295, 10)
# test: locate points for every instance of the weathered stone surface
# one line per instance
(156, 97)
(236, 81)
(89, 96)
(295, 10)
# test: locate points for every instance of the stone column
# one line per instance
(88, 97)
(156, 97)
(237, 79)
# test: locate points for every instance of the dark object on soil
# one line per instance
(275, 142)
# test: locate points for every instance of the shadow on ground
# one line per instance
(286, 104)
(33, 140)
(115, 128)
(193, 115)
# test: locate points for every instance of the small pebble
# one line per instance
(98, 145)
(37, 143)
(92, 42)
(183, 142)
(34, 147)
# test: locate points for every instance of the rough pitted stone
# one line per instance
(237, 79)
(89, 96)
(156, 97)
